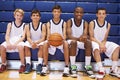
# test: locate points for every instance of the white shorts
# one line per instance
(29, 45)
(80, 45)
(111, 46)
(52, 49)
(12, 41)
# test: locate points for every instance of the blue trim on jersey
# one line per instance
(56, 23)
(98, 23)
(16, 25)
(37, 26)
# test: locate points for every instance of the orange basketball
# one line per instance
(55, 39)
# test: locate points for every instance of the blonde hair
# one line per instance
(19, 10)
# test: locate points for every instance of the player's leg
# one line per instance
(88, 51)
(113, 50)
(97, 57)
(28, 58)
(66, 57)
(40, 59)
(22, 58)
(3, 58)
(72, 52)
(45, 59)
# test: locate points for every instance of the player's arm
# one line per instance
(91, 33)
(85, 33)
(84, 36)
(7, 36)
(28, 34)
(48, 29)
(69, 31)
(43, 34)
(64, 31)
(106, 34)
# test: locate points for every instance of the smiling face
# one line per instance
(35, 15)
(18, 15)
(78, 13)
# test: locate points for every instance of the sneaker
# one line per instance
(73, 71)
(39, 68)
(3, 68)
(115, 72)
(101, 72)
(28, 68)
(44, 71)
(22, 69)
(89, 71)
(66, 72)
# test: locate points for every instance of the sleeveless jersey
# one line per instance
(77, 31)
(16, 31)
(56, 28)
(99, 31)
(36, 34)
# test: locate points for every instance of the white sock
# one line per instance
(72, 60)
(87, 60)
(99, 64)
(40, 60)
(114, 64)
(28, 60)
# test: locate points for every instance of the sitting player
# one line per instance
(14, 37)
(36, 33)
(99, 30)
(56, 25)
(77, 30)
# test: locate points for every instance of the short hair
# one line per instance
(78, 7)
(101, 9)
(57, 7)
(35, 11)
(19, 10)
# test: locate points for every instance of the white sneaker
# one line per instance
(44, 71)
(66, 72)
(115, 72)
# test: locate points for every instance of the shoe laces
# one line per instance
(44, 69)
(66, 70)
(28, 66)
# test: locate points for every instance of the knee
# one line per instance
(2, 48)
(21, 48)
(88, 44)
(73, 42)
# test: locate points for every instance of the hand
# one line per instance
(102, 48)
(34, 45)
(83, 38)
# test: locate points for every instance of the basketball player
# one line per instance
(99, 30)
(56, 25)
(77, 31)
(36, 33)
(14, 37)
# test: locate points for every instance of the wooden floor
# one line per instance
(53, 75)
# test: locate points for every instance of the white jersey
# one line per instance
(77, 31)
(100, 31)
(16, 31)
(36, 34)
(56, 28)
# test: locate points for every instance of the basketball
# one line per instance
(55, 39)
